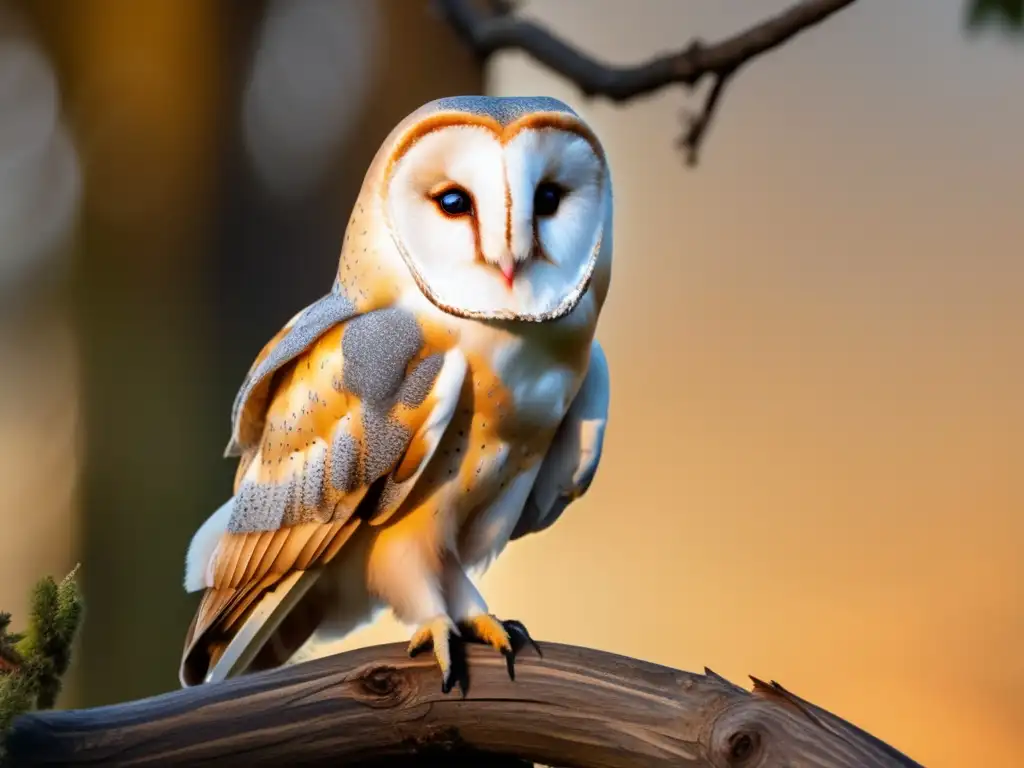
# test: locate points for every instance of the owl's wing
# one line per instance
(571, 462)
(249, 409)
(335, 423)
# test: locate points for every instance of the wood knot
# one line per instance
(743, 747)
(381, 686)
(737, 739)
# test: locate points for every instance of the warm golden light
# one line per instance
(813, 466)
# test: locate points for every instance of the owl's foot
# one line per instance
(437, 634)
(508, 637)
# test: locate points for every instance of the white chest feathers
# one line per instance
(540, 388)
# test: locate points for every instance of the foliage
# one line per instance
(32, 663)
(1005, 14)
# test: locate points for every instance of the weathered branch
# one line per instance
(375, 706)
(490, 31)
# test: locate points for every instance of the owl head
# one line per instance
(493, 208)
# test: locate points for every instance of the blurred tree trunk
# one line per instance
(186, 267)
(275, 256)
(39, 394)
(146, 85)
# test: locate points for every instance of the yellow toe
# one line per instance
(436, 632)
(487, 629)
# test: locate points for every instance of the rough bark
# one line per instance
(375, 706)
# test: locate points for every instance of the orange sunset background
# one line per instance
(813, 469)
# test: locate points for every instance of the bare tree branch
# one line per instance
(697, 123)
(376, 706)
(497, 28)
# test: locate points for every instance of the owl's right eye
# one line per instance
(454, 202)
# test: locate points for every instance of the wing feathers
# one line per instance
(314, 544)
(291, 341)
(334, 544)
(277, 542)
(258, 556)
(574, 454)
(432, 419)
(362, 404)
(230, 653)
(227, 602)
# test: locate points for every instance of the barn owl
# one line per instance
(446, 397)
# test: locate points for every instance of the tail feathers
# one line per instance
(202, 546)
(275, 622)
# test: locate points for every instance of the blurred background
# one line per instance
(814, 470)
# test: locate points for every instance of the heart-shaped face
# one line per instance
(499, 206)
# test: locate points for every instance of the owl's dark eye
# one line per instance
(454, 202)
(546, 198)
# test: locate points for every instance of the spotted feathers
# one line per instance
(350, 420)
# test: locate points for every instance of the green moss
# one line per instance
(32, 663)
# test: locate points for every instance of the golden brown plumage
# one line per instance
(444, 398)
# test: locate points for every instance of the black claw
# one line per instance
(458, 669)
(510, 663)
(520, 636)
(426, 644)
(459, 673)
(414, 652)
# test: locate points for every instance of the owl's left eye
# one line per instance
(546, 198)
(454, 202)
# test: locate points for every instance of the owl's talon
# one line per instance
(520, 636)
(437, 635)
(508, 637)
(510, 664)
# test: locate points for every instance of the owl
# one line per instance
(447, 397)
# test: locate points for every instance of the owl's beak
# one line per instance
(508, 271)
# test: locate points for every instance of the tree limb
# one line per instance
(375, 706)
(489, 31)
